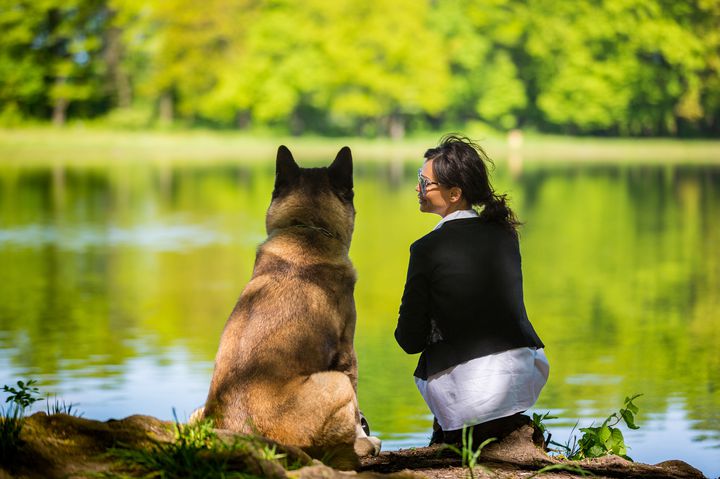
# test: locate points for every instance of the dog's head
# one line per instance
(320, 198)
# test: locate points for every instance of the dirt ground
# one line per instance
(518, 456)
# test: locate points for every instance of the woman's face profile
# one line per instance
(435, 198)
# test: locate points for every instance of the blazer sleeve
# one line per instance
(413, 328)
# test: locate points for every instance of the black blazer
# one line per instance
(463, 296)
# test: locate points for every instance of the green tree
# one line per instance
(21, 71)
(628, 67)
(58, 47)
(310, 66)
(194, 42)
(390, 65)
(481, 41)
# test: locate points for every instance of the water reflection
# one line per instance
(115, 283)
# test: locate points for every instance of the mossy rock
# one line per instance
(63, 446)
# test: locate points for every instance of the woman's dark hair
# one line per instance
(457, 161)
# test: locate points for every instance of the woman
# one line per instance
(482, 362)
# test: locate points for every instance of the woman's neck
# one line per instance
(453, 207)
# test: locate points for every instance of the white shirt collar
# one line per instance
(456, 215)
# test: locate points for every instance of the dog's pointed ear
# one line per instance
(286, 170)
(341, 170)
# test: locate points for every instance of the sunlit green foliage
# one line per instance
(627, 67)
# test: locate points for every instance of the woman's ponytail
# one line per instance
(497, 210)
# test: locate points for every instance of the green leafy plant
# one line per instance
(607, 439)
(11, 416)
(469, 455)
(24, 396)
(539, 422)
(604, 439)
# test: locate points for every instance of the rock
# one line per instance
(680, 468)
(63, 446)
(60, 445)
(615, 466)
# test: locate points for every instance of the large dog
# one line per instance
(286, 366)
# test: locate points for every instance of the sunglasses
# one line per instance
(424, 182)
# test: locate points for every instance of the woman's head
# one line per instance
(459, 169)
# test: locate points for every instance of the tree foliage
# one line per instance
(617, 67)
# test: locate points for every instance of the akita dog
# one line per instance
(286, 366)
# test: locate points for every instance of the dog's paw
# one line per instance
(377, 443)
(367, 446)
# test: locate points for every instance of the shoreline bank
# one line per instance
(60, 445)
(78, 145)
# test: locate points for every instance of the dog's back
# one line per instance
(289, 322)
(286, 366)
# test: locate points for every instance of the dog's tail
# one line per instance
(197, 415)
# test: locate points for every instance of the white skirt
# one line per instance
(485, 388)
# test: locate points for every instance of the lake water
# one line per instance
(115, 283)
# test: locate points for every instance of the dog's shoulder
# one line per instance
(282, 256)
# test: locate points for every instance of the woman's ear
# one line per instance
(455, 194)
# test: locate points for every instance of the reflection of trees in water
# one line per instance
(621, 265)
(621, 274)
(79, 299)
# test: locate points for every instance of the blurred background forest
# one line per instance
(365, 68)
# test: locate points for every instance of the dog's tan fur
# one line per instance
(286, 365)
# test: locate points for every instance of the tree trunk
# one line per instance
(297, 125)
(166, 108)
(119, 80)
(60, 106)
(396, 127)
(242, 119)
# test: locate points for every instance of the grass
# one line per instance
(59, 406)
(92, 145)
(467, 452)
(10, 428)
(198, 452)
(19, 399)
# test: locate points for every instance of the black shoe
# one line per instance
(437, 437)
